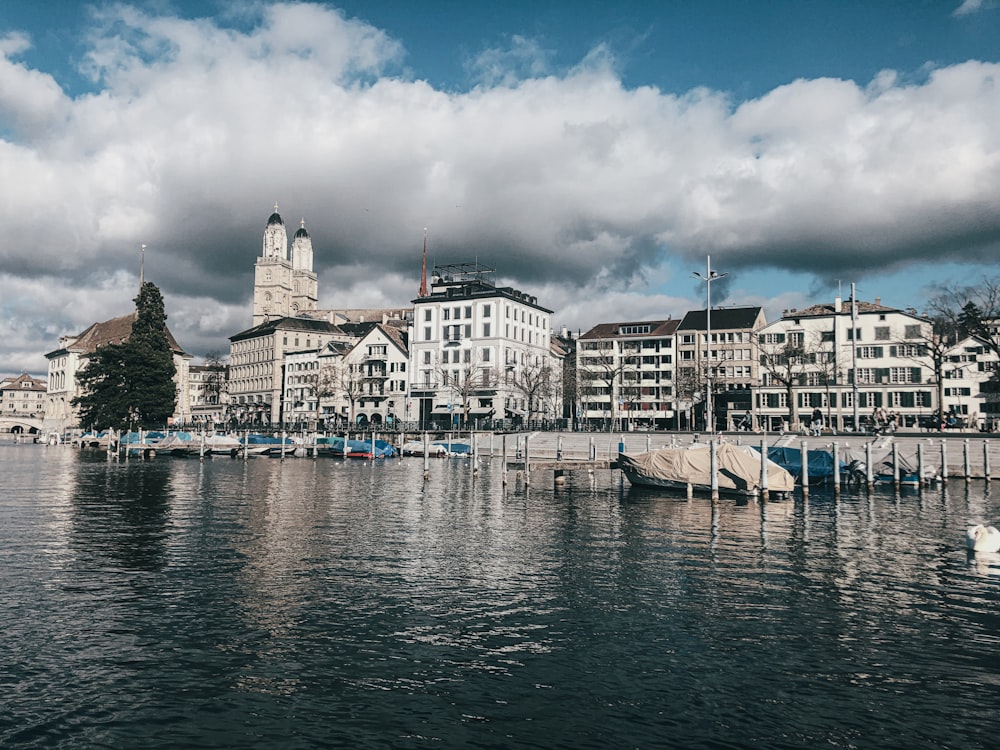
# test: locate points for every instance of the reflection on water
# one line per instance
(313, 602)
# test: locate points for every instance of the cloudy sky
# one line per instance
(594, 153)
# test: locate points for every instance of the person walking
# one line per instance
(817, 422)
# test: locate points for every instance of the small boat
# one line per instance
(818, 462)
(416, 448)
(882, 468)
(680, 468)
(222, 445)
(334, 446)
(265, 445)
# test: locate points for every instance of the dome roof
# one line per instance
(275, 219)
(301, 232)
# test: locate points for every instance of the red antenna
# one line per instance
(423, 270)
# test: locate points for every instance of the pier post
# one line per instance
(593, 450)
(475, 453)
(527, 461)
(805, 468)
(246, 444)
(895, 465)
(559, 450)
(201, 447)
(836, 468)
(427, 458)
(763, 468)
(920, 465)
(986, 460)
(965, 460)
(869, 469)
(713, 448)
(944, 459)
(503, 459)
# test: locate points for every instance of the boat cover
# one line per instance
(739, 468)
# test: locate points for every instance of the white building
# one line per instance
(969, 366)
(625, 375)
(477, 351)
(850, 362)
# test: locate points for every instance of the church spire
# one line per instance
(423, 270)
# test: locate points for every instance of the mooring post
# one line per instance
(427, 456)
(475, 453)
(503, 453)
(920, 465)
(527, 461)
(895, 465)
(593, 450)
(869, 469)
(559, 451)
(944, 459)
(965, 460)
(713, 448)
(836, 468)
(246, 444)
(763, 468)
(805, 468)
(986, 460)
(648, 439)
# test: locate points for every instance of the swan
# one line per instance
(982, 538)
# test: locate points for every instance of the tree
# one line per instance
(601, 365)
(132, 382)
(215, 378)
(534, 383)
(786, 360)
(341, 380)
(465, 383)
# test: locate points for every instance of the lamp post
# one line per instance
(708, 278)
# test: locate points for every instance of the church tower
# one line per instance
(305, 287)
(273, 284)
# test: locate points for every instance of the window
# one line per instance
(486, 329)
(427, 333)
(912, 332)
(881, 333)
(427, 315)
(468, 330)
(485, 354)
(427, 357)
(486, 311)
(468, 311)
(901, 375)
(446, 314)
(869, 352)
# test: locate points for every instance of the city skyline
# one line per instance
(593, 155)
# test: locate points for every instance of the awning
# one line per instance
(480, 411)
(441, 410)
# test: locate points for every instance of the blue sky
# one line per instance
(593, 152)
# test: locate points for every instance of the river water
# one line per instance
(321, 603)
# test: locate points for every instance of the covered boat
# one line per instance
(677, 468)
(819, 462)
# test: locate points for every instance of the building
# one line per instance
(71, 356)
(208, 394)
(852, 362)
(968, 391)
(726, 355)
(22, 404)
(284, 285)
(478, 352)
(625, 375)
(257, 366)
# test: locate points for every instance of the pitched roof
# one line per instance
(728, 318)
(824, 308)
(18, 383)
(114, 331)
(268, 327)
(613, 330)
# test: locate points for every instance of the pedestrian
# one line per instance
(817, 422)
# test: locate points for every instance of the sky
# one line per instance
(595, 154)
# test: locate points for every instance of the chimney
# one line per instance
(837, 305)
(878, 302)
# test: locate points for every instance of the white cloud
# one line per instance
(570, 184)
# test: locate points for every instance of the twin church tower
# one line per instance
(284, 286)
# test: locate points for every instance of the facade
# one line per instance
(284, 284)
(71, 356)
(727, 354)
(625, 375)
(967, 393)
(257, 366)
(478, 352)
(22, 404)
(852, 362)
(208, 394)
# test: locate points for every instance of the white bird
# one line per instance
(982, 538)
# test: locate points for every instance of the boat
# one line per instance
(680, 468)
(265, 445)
(335, 446)
(882, 469)
(222, 445)
(416, 448)
(819, 463)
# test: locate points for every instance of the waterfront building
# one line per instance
(852, 362)
(208, 394)
(71, 356)
(722, 359)
(257, 365)
(478, 352)
(364, 383)
(968, 390)
(22, 404)
(625, 375)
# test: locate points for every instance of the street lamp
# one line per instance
(708, 278)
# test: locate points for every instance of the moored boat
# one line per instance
(738, 470)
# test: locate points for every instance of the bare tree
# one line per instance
(690, 386)
(786, 359)
(341, 379)
(468, 381)
(602, 366)
(959, 311)
(533, 382)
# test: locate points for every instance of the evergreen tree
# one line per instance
(131, 383)
(970, 321)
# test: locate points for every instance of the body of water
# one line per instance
(321, 603)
